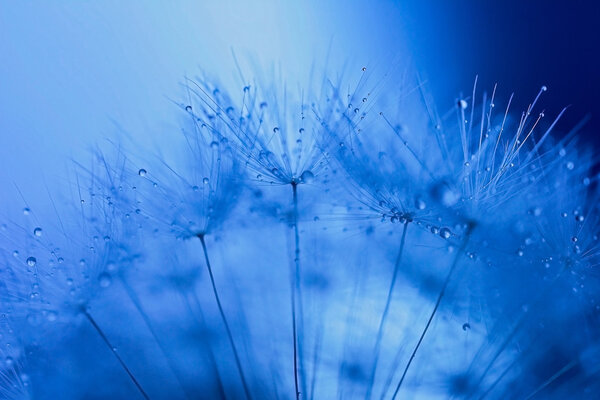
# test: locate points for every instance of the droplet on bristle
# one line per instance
(445, 233)
(307, 176)
(104, 280)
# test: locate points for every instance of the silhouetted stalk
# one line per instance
(138, 306)
(384, 316)
(297, 295)
(437, 304)
(211, 356)
(554, 377)
(114, 351)
(229, 335)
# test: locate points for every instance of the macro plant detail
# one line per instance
(348, 241)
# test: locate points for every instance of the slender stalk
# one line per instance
(435, 308)
(207, 348)
(138, 306)
(229, 335)
(298, 342)
(554, 377)
(112, 349)
(384, 316)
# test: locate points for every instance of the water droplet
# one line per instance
(104, 280)
(16, 253)
(205, 181)
(420, 203)
(275, 130)
(195, 188)
(188, 108)
(31, 261)
(364, 69)
(466, 326)
(37, 232)
(520, 252)
(435, 230)
(544, 88)
(26, 211)
(562, 152)
(301, 131)
(536, 212)
(570, 165)
(364, 100)
(307, 176)
(579, 218)
(9, 361)
(564, 215)
(462, 104)
(445, 233)
(445, 194)
(574, 239)
(142, 172)
(214, 144)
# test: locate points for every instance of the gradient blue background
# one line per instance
(73, 71)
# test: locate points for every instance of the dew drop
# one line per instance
(9, 361)
(205, 181)
(142, 172)
(364, 69)
(31, 261)
(420, 203)
(435, 230)
(275, 130)
(104, 280)
(445, 233)
(462, 104)
(188, 108)
(307, 176)
(26, 211)
(466, 326)
(570, 165)
(214, 144)
(579, 218)
(37, 232)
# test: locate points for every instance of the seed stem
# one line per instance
(437, 304)
(112, 349)
(297, 294)
(386, 310)
(229, 335)
(138, 306)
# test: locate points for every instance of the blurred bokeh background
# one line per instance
(74, 73)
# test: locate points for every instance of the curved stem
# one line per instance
(229, 335)
(386, 310)
(435, 308)
(112, 349)
(138, 306)
(297, 294)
